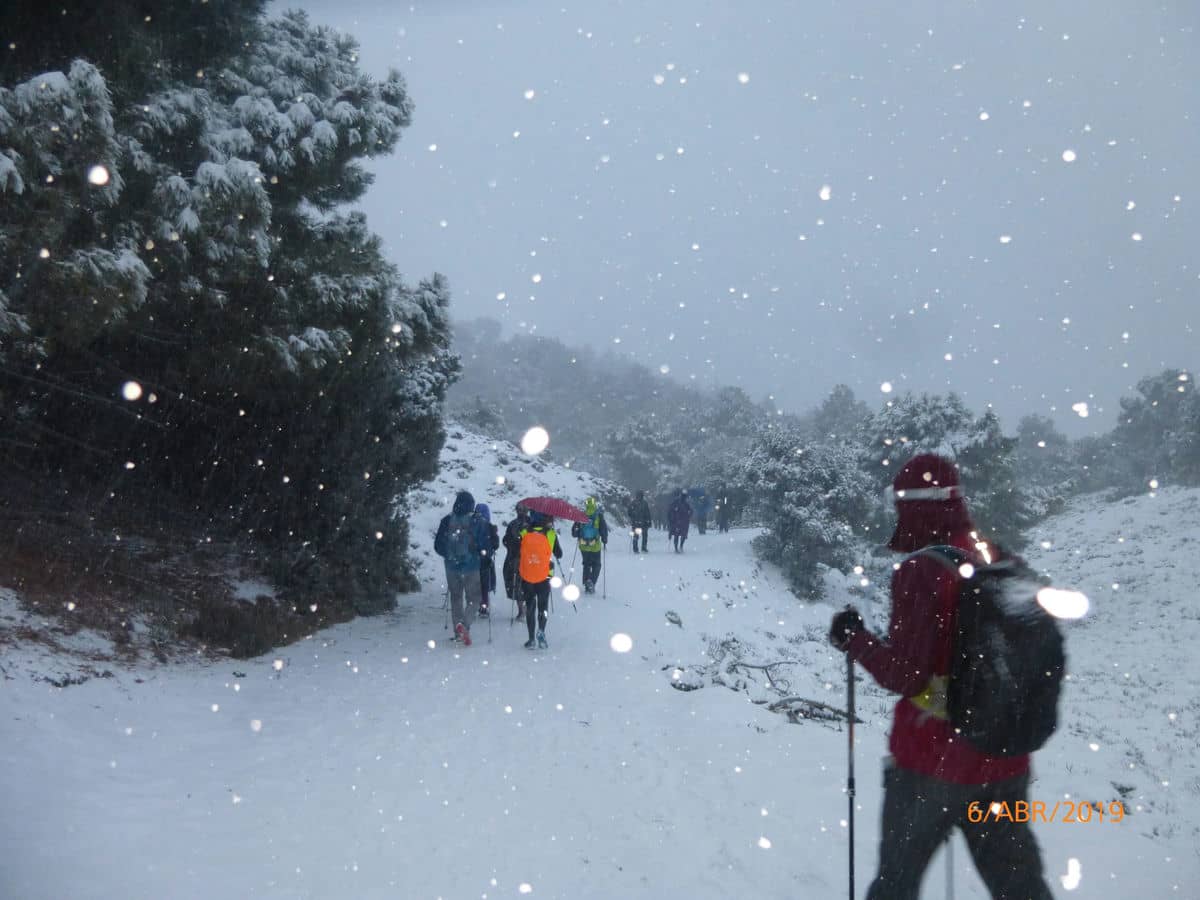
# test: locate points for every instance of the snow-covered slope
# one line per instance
(376, 761)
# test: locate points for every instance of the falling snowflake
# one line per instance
(1068, 156)
(98, 175)
(535, 440)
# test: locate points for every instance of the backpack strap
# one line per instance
(950, 557)
(932, 699)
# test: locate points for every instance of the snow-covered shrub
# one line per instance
(811, 498)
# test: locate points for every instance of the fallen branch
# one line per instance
(765, 668)
(798, 708)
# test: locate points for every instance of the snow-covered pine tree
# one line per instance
(645, 455)
(1047, 462)
(292, 382)
(1158, 432)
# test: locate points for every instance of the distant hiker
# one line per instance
(934, 775)
(593, 538)
(701, 506)
(512, 558)
(539, 548)
(662, 503)
(678, 518)
(724, 513)
(460, 541)
(487, 560)
(639, 519)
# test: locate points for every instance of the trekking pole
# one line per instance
(572, 569)
(949, 866)
(604, 571)
(850, 757)
(446, 606)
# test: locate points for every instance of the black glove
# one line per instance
(844, 626)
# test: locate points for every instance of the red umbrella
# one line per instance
(555, 508)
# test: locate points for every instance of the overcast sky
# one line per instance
(994, 198)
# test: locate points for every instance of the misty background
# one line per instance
(994, 200)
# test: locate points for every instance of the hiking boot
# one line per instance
(541, 638)
(529, 644)
(463, 635)
(483, 612)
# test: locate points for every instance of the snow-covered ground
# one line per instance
(375, 760)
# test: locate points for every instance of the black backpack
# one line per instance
(1008, 663)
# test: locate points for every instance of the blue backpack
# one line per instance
(589, 532)
(462, 547)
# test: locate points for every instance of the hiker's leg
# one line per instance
(471, 590)
(543, 604)
(1004, 850)
(591, 567)
(917, 814)
(528, 595)
(456, 582)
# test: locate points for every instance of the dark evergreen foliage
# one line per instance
(291, 383)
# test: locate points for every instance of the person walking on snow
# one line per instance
(723, 510)
(678, 518)
(933, 776)
(487, 560)
(593, 538)
(639, 520)
(539, 548)
(512, 558)
(459, 542)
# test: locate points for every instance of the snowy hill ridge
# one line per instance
(679, 739)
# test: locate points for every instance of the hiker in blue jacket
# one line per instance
(593, 538)
(460, 541)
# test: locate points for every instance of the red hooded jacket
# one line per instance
(919, 646)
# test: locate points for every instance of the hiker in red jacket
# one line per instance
(933, 776)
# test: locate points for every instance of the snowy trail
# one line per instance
(384, 768)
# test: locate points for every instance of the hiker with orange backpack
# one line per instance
(539, 548)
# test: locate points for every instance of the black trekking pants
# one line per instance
(512, 581)
(537, 600)
(591, 566)
(643, 532)
(919, 812)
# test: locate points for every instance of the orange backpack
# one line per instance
(536, 552)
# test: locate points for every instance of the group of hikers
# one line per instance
(467, 541)
(935, 775)
(676, 512)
